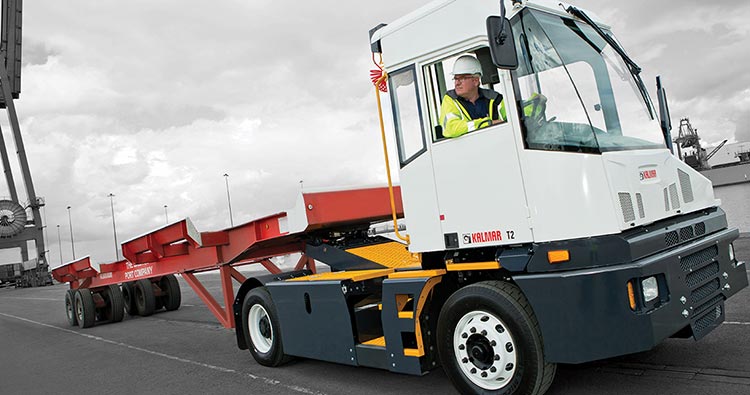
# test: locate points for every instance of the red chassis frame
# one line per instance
(178, 248)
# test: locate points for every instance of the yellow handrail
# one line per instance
(382, 79)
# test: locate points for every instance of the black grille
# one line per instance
(702, 275)
(707, 320)
(704, 291)
(671, 238)
(716, 299)
(686, 233)
(696, 259)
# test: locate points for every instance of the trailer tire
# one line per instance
(85, 308)
(490, 343)
(114, 311)
(128, 296)
(172, 297)
(260, 326)
(70, 307)
(145, 300)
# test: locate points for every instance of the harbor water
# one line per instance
(735, 200)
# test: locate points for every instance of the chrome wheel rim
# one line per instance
(485, 350)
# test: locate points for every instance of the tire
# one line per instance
(128, 296)
(145, 300)
(85, 308)
(114, 311)
(70, 309)
(260, 326)
(489, 342)
(172, 297)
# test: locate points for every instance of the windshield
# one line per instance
(577, 94)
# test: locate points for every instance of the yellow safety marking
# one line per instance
(455, 267)
(426, 291)
(402, 300)
(392, 254)
(377, 342)
(406, 314)
(417, 273)
(354, 275)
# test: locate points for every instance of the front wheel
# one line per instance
(490, 343)
(260, 324)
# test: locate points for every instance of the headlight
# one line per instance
(731, 252)
(650, 289)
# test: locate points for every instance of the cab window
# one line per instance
(406, 114)
(439, 80)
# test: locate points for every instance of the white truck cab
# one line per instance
(595, 163)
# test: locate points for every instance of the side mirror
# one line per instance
(502, 45)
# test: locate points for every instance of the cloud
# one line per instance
(155, 101)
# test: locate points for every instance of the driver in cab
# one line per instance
(469, 107)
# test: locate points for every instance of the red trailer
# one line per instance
(145, 280)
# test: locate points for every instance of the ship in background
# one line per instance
(725, 164)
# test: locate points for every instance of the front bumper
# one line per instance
(584, 315)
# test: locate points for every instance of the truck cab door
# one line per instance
(478, 180)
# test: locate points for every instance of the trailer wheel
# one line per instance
(85, 308)
(171, 287)
(490, 343)
(145, 300)
(128, 296)
(70, 310)
(260, 324)
(114, 311)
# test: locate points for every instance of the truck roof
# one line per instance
(450, 21)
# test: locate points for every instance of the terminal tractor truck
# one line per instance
(568, 233)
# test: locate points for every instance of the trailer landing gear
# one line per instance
(489, 341)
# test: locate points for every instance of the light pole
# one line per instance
(59, 243)
(166, 215)
(72, 243)
(229, 200)
(114, 227)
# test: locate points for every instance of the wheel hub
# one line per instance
(264, 327)
(480, 351)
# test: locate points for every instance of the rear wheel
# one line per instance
(172, 296)
(115, 305)
(490, 343)
(260, 324)
(128, 296)
(145, 300)
(85, 308)
(70, 310)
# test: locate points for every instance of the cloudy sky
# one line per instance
(154, 101)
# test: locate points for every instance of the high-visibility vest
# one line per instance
(455, 119)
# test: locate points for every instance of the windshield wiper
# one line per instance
(635, 70)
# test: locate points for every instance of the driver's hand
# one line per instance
(497, 121)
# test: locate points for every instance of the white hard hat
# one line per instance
(467, 64)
